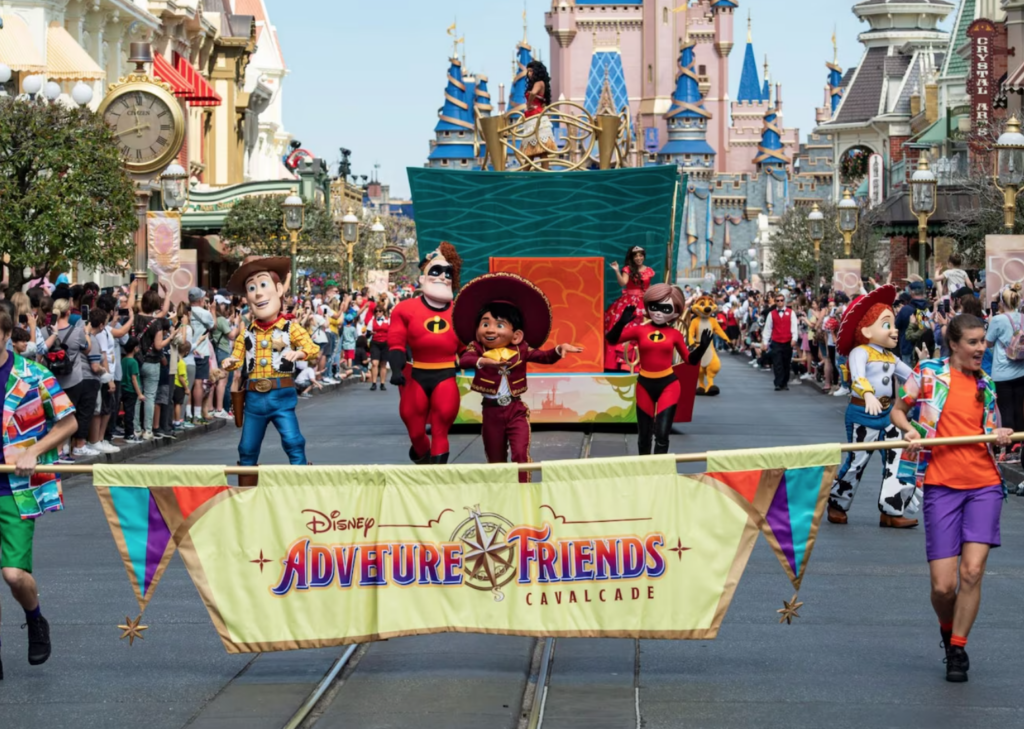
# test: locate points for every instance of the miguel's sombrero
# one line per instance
(281, 265)
(506, 288)
(856, 311)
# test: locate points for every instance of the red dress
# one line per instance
(632, 295)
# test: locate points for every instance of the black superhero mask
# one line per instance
(661, 308)
(439, 270)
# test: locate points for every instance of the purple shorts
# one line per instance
(955, 516)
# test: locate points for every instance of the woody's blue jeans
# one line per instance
(263, 408)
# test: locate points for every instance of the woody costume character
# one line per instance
(658, 387)
(423, 326)
(505, 317)
(866, 336)
(267, 352)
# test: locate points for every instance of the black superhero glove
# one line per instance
(396, 358)
(697, 353)
(616, 331)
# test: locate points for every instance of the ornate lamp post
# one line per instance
(350, 236)
(378, 230)
(294, 219)
(816, 224)
(922, 204)
(1010, 168)
(849, 220)
(174, 183)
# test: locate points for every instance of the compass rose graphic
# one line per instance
(488, 557)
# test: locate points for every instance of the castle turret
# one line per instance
(453, 145)
(517, 94)
(482, 97)
(750, 85)
(766, 90)
(687, 120)
(770, 150)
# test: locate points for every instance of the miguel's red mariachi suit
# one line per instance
(657, 387)
(430, 393)
(506, 417)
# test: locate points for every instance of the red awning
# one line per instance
(202, 93)
(166, 73)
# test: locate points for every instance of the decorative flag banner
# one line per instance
(324, 556)
(163, 233)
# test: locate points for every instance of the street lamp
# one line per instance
(81, 94)
(378, 230)
(849, 220)
(1010, 168)
(816, 223)
(32, 85)
(174, 182)
(350, 236)
(51, 91)
(5, 77)
(922, 204)
(294, 218)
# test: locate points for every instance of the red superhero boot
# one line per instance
(423, 327)
(657, 387)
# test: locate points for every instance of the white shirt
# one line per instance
(503, 389)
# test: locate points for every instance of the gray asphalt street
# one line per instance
(864, 652)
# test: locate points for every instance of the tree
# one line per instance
(255, 226)
(65, 197)
(792, 251)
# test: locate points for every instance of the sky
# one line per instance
(369, 75)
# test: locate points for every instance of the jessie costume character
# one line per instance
(423, 326)
(637, 280)
(867, 336)
(267, 352)
(657, 387)
(504, 316)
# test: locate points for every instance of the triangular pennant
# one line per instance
(191, 498)
(777, 520)
(745, 483)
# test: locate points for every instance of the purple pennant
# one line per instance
(156, 544)
(778, 520)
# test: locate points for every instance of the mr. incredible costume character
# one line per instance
(867, 335)
(423, 326)
(658, 388)
(267, 352)
(504, 316)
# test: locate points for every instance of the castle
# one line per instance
(670, 65)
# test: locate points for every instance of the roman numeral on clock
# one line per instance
(162, 114)
(138, 154)
(161, 141)
(126, 150)
(124, 102)
(165, 127)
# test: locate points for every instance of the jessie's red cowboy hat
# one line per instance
(856, 311)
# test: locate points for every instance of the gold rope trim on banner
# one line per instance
(680, 457)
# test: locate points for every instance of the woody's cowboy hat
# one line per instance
(281, 265)
(504, 288)
(856, 311)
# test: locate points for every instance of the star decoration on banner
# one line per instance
(789, 610)
(486, 552)
(261, 561)
(132, 629)
(679, 549)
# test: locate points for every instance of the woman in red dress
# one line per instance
(540, 139)
(634, 278)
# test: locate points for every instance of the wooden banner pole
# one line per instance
(74, 470)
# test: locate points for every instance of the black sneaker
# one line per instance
(373, 387)
(168, 435)
(382, 388)
(947, 635)
(38, 640)
(957, 664)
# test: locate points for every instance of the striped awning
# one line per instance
(202, 93)
(16, 48)
(1015, 82)
(166, 73)
(68, 61)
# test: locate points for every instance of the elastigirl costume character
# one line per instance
(867, 335)
(267, 352)
(429, 392)
(657, 388)
(504, 316)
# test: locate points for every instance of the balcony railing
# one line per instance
(949, 171)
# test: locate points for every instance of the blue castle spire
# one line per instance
(769, 152)
(687, 119)
(517, 94)
(750, 84)
(482, 97)
(456, 125)
(835, 91)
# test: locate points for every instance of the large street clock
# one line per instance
(147, 122)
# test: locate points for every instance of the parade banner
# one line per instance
(324, 556)
(846, 274)
(163, 235)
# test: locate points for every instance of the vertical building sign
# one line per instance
(982, 80)
(876, 174)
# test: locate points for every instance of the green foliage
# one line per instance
(64, 194)
(968, 227)
(792, 251)
(255, 226)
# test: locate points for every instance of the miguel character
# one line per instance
(267, 352)
(867, 336)
(504, 316)
(658, 388)
(423, 326)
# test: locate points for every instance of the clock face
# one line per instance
(144, 127)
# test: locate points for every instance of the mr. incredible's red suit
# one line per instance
(657, 388)
(422, 327)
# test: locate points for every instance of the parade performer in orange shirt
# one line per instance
(423, 326)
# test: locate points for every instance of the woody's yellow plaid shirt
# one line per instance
(263, 349)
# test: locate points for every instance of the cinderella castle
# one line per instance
(670, 66)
